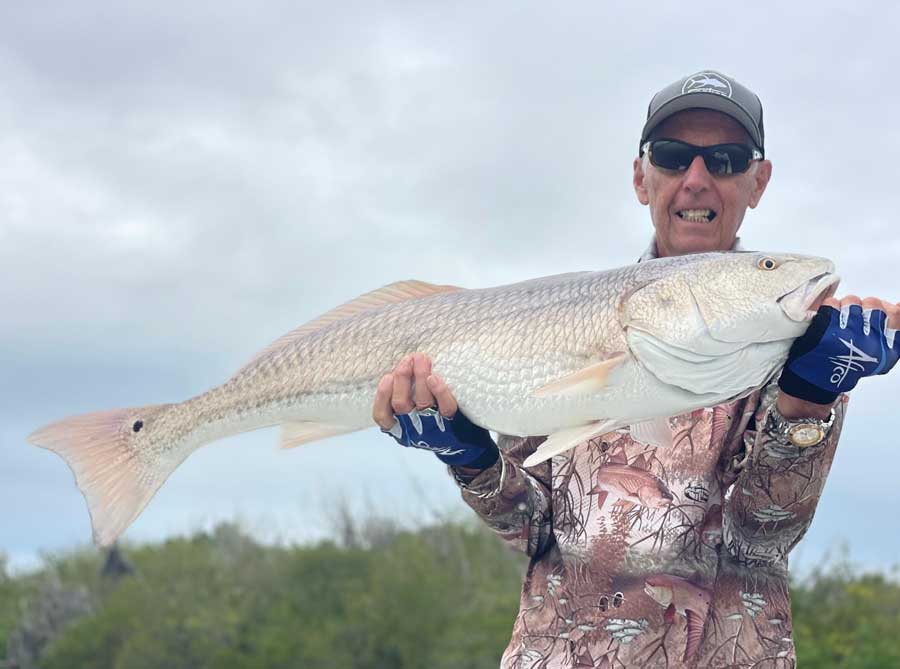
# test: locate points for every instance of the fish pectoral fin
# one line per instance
(561, 441)
(647, 496)
(588, 381)
(297, 434)
(653, 432)
(669, 615)
(619, 457)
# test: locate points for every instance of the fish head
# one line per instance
(732, 298)
(668, 589)
(659, 590)
(665, 495)
(720, 324)
(760, 297)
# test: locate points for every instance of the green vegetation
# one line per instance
(848, 619)
(441, 596)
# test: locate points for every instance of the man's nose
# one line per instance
(697, 178)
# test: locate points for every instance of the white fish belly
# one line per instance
(500, 407)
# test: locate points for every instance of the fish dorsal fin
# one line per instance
(393, 293)
(587, 381)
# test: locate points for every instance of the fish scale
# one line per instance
(567, 356)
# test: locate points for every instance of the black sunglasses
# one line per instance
(720, 159)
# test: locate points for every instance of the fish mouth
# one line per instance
(802, 303)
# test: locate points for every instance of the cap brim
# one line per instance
(711, 101)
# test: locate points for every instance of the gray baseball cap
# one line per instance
(708, 89)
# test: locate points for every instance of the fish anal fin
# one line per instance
(625, 505)
(587, 381)
(299, 433)
(563, 440)
(393, 293)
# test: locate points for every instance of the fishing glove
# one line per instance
(457, 441)
(838, 349)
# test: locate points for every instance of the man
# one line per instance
(643, 556)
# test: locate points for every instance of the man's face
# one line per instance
(694, 211)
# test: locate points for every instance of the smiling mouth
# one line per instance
(696, 215)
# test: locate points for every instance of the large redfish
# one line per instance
(569, 356)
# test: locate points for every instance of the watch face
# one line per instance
(806, 435)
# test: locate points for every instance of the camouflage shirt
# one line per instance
(643, 556)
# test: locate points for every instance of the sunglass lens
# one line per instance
(720, 159)
(671, 155)
(727, 159)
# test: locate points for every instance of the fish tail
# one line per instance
(115, 471)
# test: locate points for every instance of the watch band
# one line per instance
(799, 432)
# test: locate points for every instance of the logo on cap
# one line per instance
(707, 82)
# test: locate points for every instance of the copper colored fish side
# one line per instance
(632, 484)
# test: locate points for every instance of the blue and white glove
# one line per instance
(457, 441)
(838, 349)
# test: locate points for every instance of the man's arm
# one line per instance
(772, 502)
(513, 501)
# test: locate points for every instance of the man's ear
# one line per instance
(760, 181)
(638, 182)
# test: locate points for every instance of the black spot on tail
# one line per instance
(138, 424)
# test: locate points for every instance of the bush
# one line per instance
(439, 597)
(844, 617)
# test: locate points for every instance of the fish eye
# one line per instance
(767, 263)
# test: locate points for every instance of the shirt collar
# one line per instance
(651, 252)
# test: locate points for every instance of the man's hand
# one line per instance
(848, 339)
(417, 409)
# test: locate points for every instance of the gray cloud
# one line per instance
(181, 185)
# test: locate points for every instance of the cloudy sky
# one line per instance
(180, 184)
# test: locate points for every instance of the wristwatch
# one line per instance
(799, 432)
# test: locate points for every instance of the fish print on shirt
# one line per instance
(644, 556)
(693, 575)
